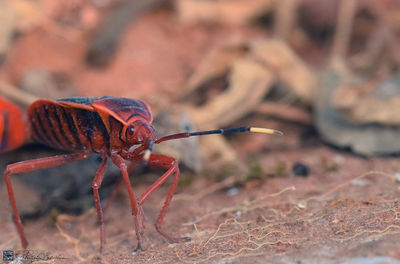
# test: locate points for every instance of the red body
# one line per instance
(13, 126)
(91, 124)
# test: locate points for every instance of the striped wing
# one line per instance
(67, 125)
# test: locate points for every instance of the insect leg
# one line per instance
(171, 164)
(114, 193)
(117, 187)
(96, 185)
(32, 165)
(135, 158)
(137, 210)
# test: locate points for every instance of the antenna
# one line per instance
(220, 131)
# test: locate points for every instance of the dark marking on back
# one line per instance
(134, 114)
(44, 136)
(82, 100)
(126, 108)
(37, 134)
(57, 141)
(98, 123)
(85, 122)
(112, 123)
(4, 136)
(73, 130)
(91, 123)
(55, 116)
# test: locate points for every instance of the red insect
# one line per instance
(108, 126)
(13, 127)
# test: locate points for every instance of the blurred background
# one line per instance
(324, 72)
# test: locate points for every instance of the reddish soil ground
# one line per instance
(346, 208)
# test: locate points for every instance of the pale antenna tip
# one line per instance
(265, 131)
(146, 156)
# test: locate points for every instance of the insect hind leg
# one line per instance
(32, 165)
(165, 162)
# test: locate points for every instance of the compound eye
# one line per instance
(130, 131)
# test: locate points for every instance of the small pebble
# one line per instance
(238, 214)
(398, 177)
(300, 169)
(302, 205)
(232, 191)
(360, 182)
(339, 159)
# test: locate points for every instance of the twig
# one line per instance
(285, 111)
(16, 94)
(343, 29)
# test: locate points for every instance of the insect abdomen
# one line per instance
(13, 131)
(67, 128)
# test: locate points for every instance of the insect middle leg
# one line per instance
(32, 165)
(95, 186)
(164, 162)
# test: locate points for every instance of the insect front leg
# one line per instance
(32, 165)
(135, 158)
(117, 187)
(164, 162)
(137, 210)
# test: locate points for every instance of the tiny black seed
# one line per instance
(300, 169)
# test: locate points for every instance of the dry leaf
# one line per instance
(8, 19)
(232, 11)
(29, 13)
(215, 63)
(287, 65)
(285, 111)
(249, 81)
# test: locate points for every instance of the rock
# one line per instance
(337, 129)
(372, 101)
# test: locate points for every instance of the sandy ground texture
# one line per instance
(346, 209)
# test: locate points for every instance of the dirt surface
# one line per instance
(345, 209)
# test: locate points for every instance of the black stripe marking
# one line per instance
(57, 141)
(112, 120)
(120, 134)
(103, 130)
(65, 127)
(99, 125)
(56, 117)
(44, 136)
(134, 114)
(36, 135)
(72, 128)
(85, 122)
